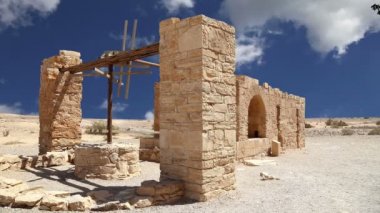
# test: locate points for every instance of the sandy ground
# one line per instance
(332, 174)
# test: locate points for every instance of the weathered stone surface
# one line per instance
(108, 206)
(7, 197)
(197, 111)
(57, 158)
(61, 194)
(100, 195)
(8, 182)
(276, 148)
(259, 162)
(53, 203)
(142, 201)
(125, 195)
(28, 200)
(163, 192)
(126, 206)
(60, 103)
(116, 161)
(150, 149)
(268, 113)
(79, 203)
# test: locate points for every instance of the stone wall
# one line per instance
(284, 115)
(150, 149)
(156, 122)
(60, 103)
(107, 161)
(198, 105)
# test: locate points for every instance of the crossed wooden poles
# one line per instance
(122, 58)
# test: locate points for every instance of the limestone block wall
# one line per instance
(284, 113)
(150, 149)
(156, 122)
(107, 161)
(60, 103)
(198, 105)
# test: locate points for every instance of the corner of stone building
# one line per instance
(198, 105)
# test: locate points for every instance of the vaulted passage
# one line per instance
(256, 118)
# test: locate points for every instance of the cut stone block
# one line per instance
(276, 148)
(53, 203)
(79, 203)
(28, 200)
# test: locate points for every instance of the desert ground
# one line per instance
(333, 173)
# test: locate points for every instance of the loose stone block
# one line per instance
(79, 203)
(276, 148)
(28, 200)
(52, 203)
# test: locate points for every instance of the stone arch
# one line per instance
(256, 118)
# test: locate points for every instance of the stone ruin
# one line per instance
(206, 117)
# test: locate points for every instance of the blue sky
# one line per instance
(326, 51)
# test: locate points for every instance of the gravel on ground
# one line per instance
(332, 174)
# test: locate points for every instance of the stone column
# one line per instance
(156, 122)
(198, 105)
(60, 103)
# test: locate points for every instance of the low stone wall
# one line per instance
(150, 149)
(158, 193)
(251, 147)
(17, 194)
(16, 162)
(108, 161)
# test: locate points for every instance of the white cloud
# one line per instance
(15, 13)
(116, 106)
(249, 49)
(11, 109)
(2, 81)
(174, 6)
(149, 115)
(331, 25)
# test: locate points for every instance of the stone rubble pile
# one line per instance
(107, 161)
(16, 162)
(150, 149)
(17, 194)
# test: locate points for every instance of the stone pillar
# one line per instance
(198, 105)
(156, 122)
(60, 103)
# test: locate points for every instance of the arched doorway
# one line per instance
(256, 118)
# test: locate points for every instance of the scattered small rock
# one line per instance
(142, 201)
(266, 176)
(259, 162)
(100, 195)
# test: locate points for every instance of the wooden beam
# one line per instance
(144, 72)
(109, 108)
(121, 58)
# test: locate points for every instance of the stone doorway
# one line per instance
(256, 118)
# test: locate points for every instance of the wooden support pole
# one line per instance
(109, 108)
(122, 58)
